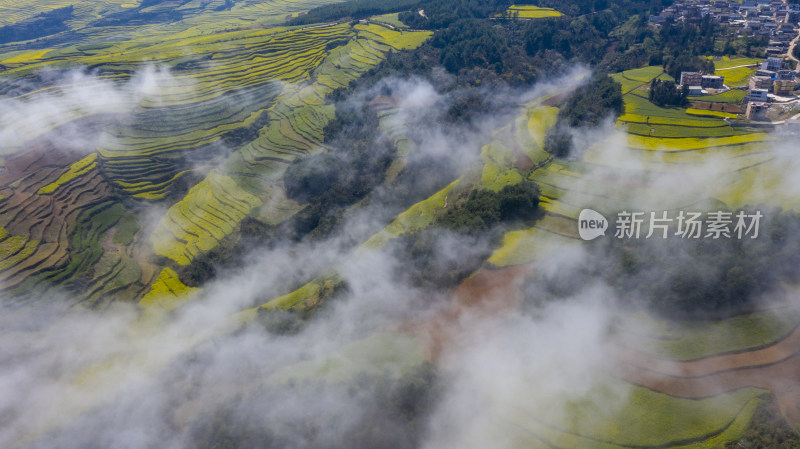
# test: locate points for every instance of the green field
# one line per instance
(736, 77)
(639, 105)
(389, 19)
(636, 78)
(731, 96)
(706, 113)
(695, 340)
(727, 62)
(614, 415)
(531, 12)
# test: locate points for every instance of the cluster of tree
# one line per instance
(613, 35)
(698, 37)
(593, 102)
(585, 108)
(329, 181)
(477, 52)
(768, 430)
(675, 45)
(480, 52)
(618, 8)
(667, 93)
(354, 9)
(44, 24)
(483, 209)
(687, 62)
(470, 44)
(584, 38)
(690, 279)
(442, 255)
(437, 14)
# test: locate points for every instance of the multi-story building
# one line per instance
(761, 82)
(785, 75)
(784, 88)
(756, 110)
(768, 73)
(759, 95)
(691, 79)
(772, 63)
(713, 82)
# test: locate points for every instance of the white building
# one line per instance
(759, 95)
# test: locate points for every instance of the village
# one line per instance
(773, 82)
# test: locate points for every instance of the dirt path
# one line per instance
(790, 52)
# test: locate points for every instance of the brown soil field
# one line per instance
(775, 367)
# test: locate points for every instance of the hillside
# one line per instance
(311, 223)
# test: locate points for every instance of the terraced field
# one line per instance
(599, 181)
(13, 11)
(718, 417)
(206, 125)
(294, 129)
(653, 404)
(639, 402)
(62, 225)
(228, 103)
(652, 420)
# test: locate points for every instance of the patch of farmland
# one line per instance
(696, 340)
(392, 354)
(531, 132)
(67, 229)
(680, 131)
(762, 182)
(640, 106)
(13, 11)
(691, 143)
(731, 96)
(294, 128)
(416, 217)
(699, 122)
(398, 40)
(167, 292)
(389, 19)
(727, 62)
(615, 415)
(707, 113)
(628, 85)
(208, 212)
(499, 167)
(77, 169)
(528, 245)
(636, 78)
(644, 74)
(531, 12)
(735, 77)
(306, 296)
